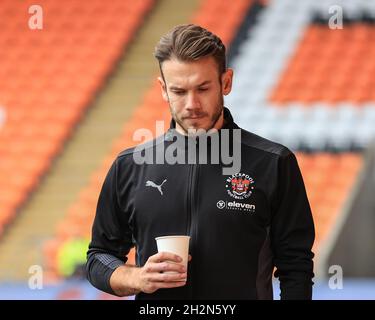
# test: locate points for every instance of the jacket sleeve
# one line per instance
(292, 232)
(111, 236)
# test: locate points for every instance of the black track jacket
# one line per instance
(242, 226)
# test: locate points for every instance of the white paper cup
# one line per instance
(175, 244)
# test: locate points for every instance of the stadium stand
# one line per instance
(286, 62)
(327, 192)
(45, 96)
(89, 144)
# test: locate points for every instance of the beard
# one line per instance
(213, 118)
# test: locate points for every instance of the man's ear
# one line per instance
(163, 89)
(226, 80)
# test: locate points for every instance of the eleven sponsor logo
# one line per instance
(233, 205)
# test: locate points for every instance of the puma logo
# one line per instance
(150, 183)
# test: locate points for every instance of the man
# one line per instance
(241, 225)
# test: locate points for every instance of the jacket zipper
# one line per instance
(189, 197)
(190, 221)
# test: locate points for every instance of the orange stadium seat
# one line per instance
(328, 179)
(48, 79)
(320, 51)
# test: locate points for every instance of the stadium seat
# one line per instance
(50, 77)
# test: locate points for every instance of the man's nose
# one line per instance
(192, 101)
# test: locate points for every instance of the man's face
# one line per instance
(194, 93)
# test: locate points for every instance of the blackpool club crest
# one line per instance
(240, 186)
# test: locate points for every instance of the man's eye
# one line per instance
(203, 89)
(180, 93)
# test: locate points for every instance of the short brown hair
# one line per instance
(189, 42)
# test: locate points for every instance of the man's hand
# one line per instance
(153, 275)
(129, 280)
